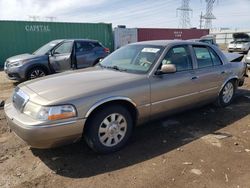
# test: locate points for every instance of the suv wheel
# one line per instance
(109, 129)
(36, 72)
(227, 94)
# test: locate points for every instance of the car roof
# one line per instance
(85, 40)
(170, 42)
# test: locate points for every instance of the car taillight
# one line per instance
(106, 50)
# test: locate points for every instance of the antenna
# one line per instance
(209, 15)
(185, 10)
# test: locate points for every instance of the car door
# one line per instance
(173, 91)
(85, 55)
(60, 59)
(209, 70)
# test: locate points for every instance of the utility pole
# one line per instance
(201, 20)
(185, 10)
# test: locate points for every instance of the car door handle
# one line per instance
(194, 78)
(223, 72)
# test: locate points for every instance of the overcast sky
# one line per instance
(132, 13)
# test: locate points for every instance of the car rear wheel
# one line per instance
(227, 94)
(109, 129)
(36, 72)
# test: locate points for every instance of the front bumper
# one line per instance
(15, 73)
(243, 50)
(248, 61)
(40, 135)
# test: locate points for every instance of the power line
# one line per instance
(209, 15)
(184, 14)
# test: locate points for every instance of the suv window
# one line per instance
(206, 57)
(64, 48)
(82, 46)
(179, 56)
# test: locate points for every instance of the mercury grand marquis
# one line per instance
(135, 84)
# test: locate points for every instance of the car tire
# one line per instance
(227, 93)
(36, 72)
(109, 129)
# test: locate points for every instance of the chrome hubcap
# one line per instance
(228, 92)
(112, 129)
(36, 74)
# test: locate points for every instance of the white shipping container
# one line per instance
(124, 36)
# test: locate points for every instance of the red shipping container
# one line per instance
(145, 34)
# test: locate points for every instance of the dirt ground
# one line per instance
(205, 147)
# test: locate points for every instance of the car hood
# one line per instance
(241, 36)
(76, 84)
(22, 57)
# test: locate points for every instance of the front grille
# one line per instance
(19, 99)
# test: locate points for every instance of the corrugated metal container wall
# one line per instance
(17, 37)
(123, 36)
(145, 34)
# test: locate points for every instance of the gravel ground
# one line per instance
(205, 147)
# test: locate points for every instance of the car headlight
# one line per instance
(15, 64)
(51, 113)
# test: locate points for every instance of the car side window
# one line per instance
(64, 48)
(206, 57)
(83, 46)
(180, 57)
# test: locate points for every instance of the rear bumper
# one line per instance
(43, 136)
(243, 50)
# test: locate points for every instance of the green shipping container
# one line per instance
(18, 37)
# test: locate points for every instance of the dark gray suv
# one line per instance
(55, 56)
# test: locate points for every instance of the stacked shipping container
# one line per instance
(127, 35)
(145, 34)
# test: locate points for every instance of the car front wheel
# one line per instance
(109, 129)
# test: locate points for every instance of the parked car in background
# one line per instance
(210, 39)
(247, 59)
(56, 56)
(240, 43)
(136, 83)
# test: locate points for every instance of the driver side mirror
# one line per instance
(166, 68)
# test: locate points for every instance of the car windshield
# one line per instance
(46, 48)
(133, 58)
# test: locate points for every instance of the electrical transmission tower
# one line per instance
(209, 15)
(184, 14)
